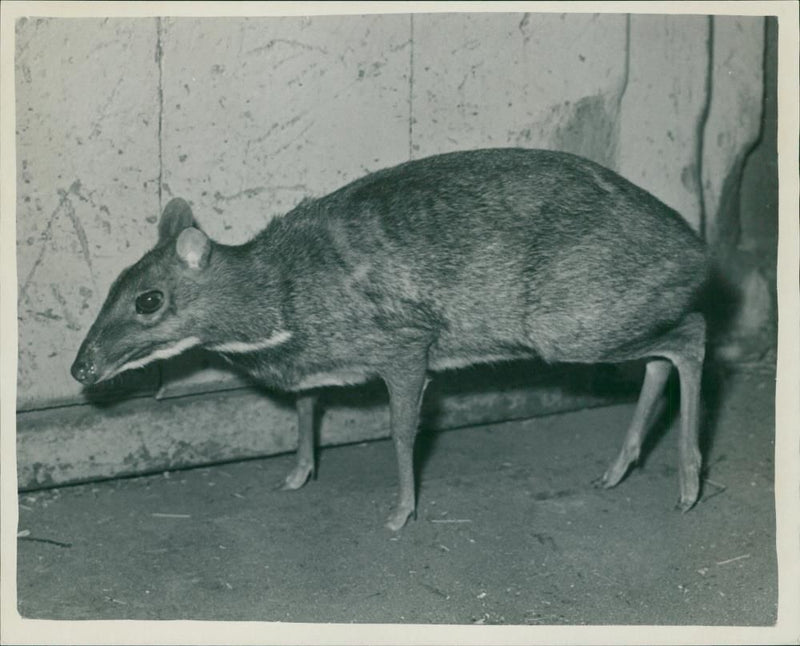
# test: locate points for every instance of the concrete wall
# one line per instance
(245, 117)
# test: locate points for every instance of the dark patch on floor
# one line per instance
(510, 531)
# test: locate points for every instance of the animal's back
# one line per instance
(499, 252)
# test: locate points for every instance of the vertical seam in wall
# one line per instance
(411, 88)
(738, 171)
(159, 60)
(626, 70)
(701, 129)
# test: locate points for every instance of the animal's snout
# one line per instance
(84, 370)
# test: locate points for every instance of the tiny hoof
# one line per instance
(399, 518)
(296, 479)
(615, 474)
(685, 505)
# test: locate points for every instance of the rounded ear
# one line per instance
(176, 217)
(193, 248)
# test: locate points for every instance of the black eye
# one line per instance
(149, 302)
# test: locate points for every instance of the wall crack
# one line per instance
(63, 204)
(411, 88)
(701, 130)
(160, 62)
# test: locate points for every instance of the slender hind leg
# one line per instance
(684, 347)
(690, 370)
(304, 468)
(655, 377)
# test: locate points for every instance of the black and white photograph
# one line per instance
(400, 322)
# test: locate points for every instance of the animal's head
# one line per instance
(153, 307)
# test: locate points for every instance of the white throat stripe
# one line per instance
(243, 347)
(162, 353)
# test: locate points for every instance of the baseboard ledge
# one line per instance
(73, 444)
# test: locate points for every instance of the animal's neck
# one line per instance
(248, 310)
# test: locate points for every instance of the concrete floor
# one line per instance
(510, 530)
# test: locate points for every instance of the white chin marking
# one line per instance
(161, 353)
(243, 347)
(348, 377)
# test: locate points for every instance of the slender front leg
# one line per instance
(406, 382)
(304, 468)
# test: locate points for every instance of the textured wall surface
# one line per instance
(663, 108)
(87, 155)
(532, 80)
(259, 113)
(244, 117)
